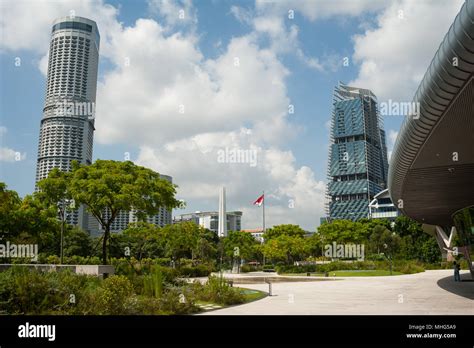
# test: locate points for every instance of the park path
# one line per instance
(430, 292)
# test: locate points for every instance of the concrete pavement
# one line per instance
(430, 292)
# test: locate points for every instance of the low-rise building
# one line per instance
(257, 233)
(210, 219)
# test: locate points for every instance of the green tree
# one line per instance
(54, 193)
(240, 245)
(288, 230)
(416, 244)
(107, 187)
(145, 240)
(76, 242)
(207, 245)
(181, 240)
(343, 232)
(286, 248)
(9, 204)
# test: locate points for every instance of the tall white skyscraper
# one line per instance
(222, 227)
(67, 126)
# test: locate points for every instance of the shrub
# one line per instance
(176, 301)
(295, 269)
(142, 305)
(24, 291)
(201, 270)
(408, 268)
(113, 294)
(250, 268)
(153, 283)
(218, 290)
(170, 275)
(53, 259)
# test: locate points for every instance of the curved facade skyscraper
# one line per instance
(67, 126)
(432, 165)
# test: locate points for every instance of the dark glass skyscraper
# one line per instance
(358, 165)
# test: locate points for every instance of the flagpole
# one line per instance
(263, 210)
(263, 206)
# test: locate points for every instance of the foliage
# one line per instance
(24, 291)
(288, 230)
(343, 231)
(240, 245)
(9, 204)
(287, 248)
(250, 268)
(406, 267)
(415, 244)
(107, 187)
(202, 270)
(113, 293)
(28, 221)
(217, 290)
(181, 240)
(153, 283)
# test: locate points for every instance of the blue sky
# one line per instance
(301, 56)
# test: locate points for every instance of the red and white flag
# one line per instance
(259, 200)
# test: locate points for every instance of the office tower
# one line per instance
(67, 126)
(222, 229)
(358, 165)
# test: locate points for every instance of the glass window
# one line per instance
(72, 25)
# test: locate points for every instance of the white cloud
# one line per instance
(392, 137)
(26, 25)
(184, 94)
(395, 54)
(180, 108)
(174, 12)
(10, 155)
(320, 9)
(269, 23)
(293, 194)
(245, 85)
(7, 154)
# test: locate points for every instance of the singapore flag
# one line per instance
(259, 200)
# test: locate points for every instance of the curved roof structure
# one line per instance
(431, 169)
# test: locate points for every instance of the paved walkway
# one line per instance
(430, 292)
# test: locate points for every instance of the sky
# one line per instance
(183, 82)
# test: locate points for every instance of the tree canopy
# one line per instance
(108, 187)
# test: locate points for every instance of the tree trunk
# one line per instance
(104, 245)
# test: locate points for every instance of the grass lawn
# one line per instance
(249, 294)
(362, 273)
(348, 273)
(252, 295)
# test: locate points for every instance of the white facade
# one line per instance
(256, 233)
(67, 126)
(210, 220)
(381, 207)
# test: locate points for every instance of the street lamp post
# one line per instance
(62, 212)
